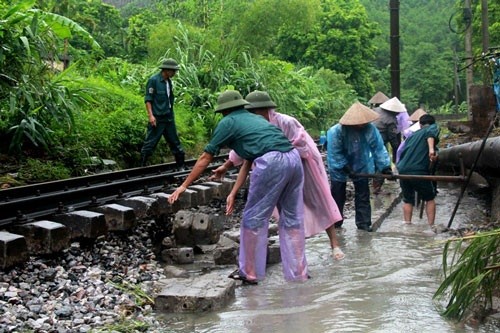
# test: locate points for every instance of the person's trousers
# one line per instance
(363, 210)
(167, 129)
(276, 181)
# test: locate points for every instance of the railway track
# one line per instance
(40, 201)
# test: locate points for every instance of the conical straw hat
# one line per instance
(415, 116)
(358, 114)
(378, 98)
(393, 105)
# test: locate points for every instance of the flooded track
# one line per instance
(385, 283)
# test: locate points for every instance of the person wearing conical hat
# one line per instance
(388, 124)
(414, 118)
(392, 121)
(159, 101)
(320, 210)
(276, 181)
(377, 99)
(354, 145)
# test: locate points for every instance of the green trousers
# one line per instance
(167, 129)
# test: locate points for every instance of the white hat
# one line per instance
(393, 105)
(358, 114)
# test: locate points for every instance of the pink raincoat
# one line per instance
(320, 210)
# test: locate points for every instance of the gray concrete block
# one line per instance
(118, 217)
(182, 255)
(273, 254)
(144, 207)
(164, 207)
(226, 252)
(204, 293)
(207, 227)
(233, 235)
(182, 227)
(216, 190)
(227, 186)
(44, 237)
(226, 256)
(188, 199)
(204, 193)
(13, 249)
(83, 223)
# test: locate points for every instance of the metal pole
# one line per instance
(464, 186)
(457, 80)
(484, 26)
(394, 37)
(469, 79)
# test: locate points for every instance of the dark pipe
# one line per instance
(487, 164)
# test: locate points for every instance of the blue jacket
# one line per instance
(362, 149)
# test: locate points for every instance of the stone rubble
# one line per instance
(80, 289)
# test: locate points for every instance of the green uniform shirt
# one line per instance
(249, 135)
(415, 155)
(161, 100)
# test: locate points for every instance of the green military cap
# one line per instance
(229, 99)
(259, 99)
(169, 64)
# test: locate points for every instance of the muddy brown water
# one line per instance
(385, 283)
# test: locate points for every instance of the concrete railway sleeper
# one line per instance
(43, 218)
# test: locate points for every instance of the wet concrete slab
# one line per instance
(201, 293)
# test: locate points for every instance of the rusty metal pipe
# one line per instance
(436, 178)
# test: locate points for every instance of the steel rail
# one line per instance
(31, 202)
(85, 181)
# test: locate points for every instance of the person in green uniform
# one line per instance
(417, 158)
(159, 100)
(276, 180)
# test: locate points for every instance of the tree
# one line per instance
(426, 42)
(341, 40)
(33, 99)
(425, 74)
(99, 19)
(261, 22)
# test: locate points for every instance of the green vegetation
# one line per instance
(314, 57)
(471, 269)
(35, 170)
(140, 297)
(72, 77)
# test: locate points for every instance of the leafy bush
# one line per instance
(450, 108)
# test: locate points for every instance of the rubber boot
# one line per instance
(144, 160)
(179, 160)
